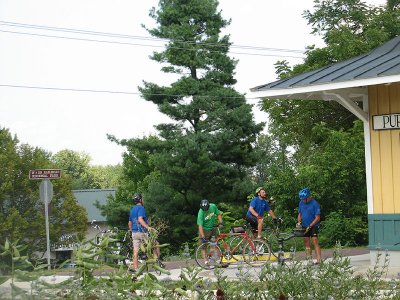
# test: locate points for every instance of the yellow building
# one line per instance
(368, 86)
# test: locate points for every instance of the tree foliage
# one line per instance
(76, 165)
(322, 140)
(21, 210)
(207, 150)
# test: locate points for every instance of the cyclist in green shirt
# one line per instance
(208, 213)
(206, 219)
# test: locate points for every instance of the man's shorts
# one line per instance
(208, 234)
(313, 232)
(253, 221)
(138, 238)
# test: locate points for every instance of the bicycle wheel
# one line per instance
(289, 246)
(236, 246)
(126, 253)
(256, 253)
(208, 255)
(159, 266)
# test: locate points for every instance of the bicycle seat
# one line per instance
(237, 229)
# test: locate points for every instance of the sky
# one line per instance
(70, 69)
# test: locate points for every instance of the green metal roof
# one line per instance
(87, 199)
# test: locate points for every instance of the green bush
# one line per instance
(338, 229)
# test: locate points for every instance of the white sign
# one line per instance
(386, 122)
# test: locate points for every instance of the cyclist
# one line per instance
(139, 226)
(309, 217)
(255, 213)
(206, 219)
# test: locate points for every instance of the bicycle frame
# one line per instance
(228, 253)
(276, 239)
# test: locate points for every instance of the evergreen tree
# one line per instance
(207, 150)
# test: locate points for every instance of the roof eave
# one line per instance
(305, 92)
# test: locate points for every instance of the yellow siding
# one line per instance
(385, 150)
(395, 107)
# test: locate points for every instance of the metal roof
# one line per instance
(87, 199)
(380, 66)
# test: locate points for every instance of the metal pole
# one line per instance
(46, 204)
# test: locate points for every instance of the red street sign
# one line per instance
(45, 174)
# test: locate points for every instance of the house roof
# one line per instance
(88, 198)
(380, 66)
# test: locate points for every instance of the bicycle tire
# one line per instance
(213, 256)
(126, 252)
(237, 254)
(261, 254)
(289, 246)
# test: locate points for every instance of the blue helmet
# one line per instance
(304, 193)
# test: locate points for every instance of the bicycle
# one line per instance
(254, 252)
(283, 245)
(103, 240)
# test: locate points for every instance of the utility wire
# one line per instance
(135, 44)
(113, 92)
(99, 33)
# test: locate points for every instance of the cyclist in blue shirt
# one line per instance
(309, 218)
(255, 213)
(139, 226)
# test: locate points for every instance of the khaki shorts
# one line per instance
(138, 238)
(208, 234)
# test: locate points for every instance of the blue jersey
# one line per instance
(308, 212)
(136, 212)
(259, 205)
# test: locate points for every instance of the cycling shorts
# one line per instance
(313, 232)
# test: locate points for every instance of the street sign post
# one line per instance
(46, 194)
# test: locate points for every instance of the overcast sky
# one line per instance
(69, 69)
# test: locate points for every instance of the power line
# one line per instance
(112, 92)
(108, 34)
(135, 44)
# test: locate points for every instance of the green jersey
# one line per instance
(208, 218)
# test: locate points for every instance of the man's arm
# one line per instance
(220, 218)
(143, 223)
(130, 225)
(316, 220)
(272, 214)
(201, 231)
(299, 218)
(252, 211)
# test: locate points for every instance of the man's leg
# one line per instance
(136, 246)
(317, 248)
(307, 247)
(259, 228)
(135, 258)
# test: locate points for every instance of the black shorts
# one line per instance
(313, 232)
(253, 221)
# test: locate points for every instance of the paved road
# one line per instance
(170, 265)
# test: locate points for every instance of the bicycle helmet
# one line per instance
(136, 199)
(204, 204)
(304, 193)
(259, 189)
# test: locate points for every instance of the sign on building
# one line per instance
(45, 174)
(382, 122)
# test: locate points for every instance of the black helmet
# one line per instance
(136, 199)
(204, 204)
